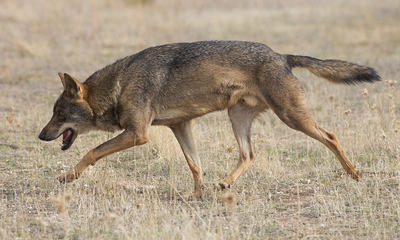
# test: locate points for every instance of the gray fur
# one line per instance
(174, 83)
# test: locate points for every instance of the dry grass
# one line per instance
(295, 189)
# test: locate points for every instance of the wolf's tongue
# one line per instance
(66, 134)
(67, 137)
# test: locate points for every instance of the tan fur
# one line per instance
(172, 84)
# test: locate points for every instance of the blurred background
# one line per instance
(295, 188)
(43, 37)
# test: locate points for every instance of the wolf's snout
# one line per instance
(42, 136)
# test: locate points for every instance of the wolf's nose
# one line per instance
(42, 136)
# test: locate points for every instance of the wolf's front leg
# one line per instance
(125, 140)
(184, 135)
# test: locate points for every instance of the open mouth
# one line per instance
(68, 138)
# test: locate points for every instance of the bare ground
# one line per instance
(295, 189)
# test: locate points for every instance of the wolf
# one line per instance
(173, 84)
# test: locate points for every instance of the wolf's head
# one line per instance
(72, 114)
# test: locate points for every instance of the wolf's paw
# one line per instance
(67, 177)
(356, 175)
(222, 185)
(196, 195)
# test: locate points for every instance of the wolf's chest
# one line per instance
(109, 121)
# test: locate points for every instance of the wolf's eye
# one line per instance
(61, 116)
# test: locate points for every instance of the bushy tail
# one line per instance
(336, 71)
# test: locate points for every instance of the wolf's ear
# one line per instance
(71, 85)
(61, 75)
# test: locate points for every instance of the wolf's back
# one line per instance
(336, 71)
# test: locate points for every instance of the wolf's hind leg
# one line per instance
(183, 133)
(241, 116)
(291, 109)
(308, 126)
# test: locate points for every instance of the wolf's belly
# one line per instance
(186, 110)
(191, 108)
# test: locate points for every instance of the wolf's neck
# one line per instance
(103, 93)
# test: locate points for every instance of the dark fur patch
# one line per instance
(368, 76)
(337, 71)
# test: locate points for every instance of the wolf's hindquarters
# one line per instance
(292, 110)
(336, 71)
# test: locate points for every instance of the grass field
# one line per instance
(295, 189)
